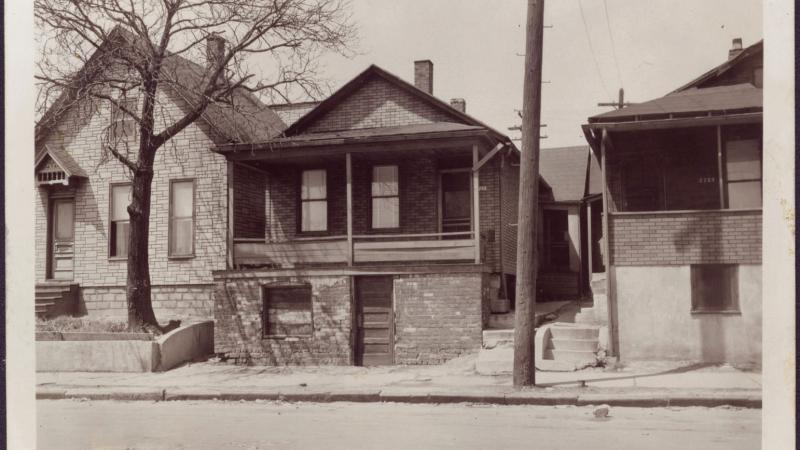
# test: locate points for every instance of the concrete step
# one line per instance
(589, 345)
(47, 297)
(495, 338)
(49, 289)
(563, 331)
(501, 321)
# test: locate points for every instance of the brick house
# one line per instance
(376, 230)
(81, 199)
(682, 195)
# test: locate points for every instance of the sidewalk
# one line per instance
(650, 384)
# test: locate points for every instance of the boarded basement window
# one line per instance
(287, 311)
(715, 288)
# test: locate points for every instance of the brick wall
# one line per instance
(509, 205)
(720, 236)
(238, 332)
(185, 156)
(437, 316)
(249, 200)
(378, 104)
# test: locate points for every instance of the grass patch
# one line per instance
(72, 324)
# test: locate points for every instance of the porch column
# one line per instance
(719, 168)
(349, 177)
(589, 255)
(230, 232)
(476, 204)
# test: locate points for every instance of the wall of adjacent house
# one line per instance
(509, 205)
(652, 254)
(655, 321)
(249, 199)
(181, 287)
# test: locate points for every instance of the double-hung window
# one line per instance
(123, 125)
(385, 197)
(743, 173)
(287, 311)
(119, 223)
(181, 218)
(314, 201)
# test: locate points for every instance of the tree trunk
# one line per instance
(140, 307)
(525, 305)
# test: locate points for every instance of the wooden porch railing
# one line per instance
(373, 248)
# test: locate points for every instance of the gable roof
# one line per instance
(371, 72)
(290, 112)
(721, 69)
(62, 158)
(565, 169)
(246, 119)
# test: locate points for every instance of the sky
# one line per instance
(476, 48)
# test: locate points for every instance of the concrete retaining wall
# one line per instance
(175, 347)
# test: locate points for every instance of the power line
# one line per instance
(591, 50)
(613, 46)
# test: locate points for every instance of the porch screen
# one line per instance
(314, 200)
(119, 220)
(385, 197)
(181, 220)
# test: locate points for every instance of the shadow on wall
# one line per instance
(700, 242)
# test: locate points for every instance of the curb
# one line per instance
(640, 400)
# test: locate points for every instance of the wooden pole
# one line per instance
(349, 175)
(524, 332)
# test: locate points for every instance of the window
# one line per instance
(122, 126)
(181, 218)
(119, 229)
(287, 311)
(385, 197)
(715, 288)
(314, 201)
(743, 170)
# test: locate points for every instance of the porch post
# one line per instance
(349, 176)
(476, 204)
(719, 168)
(610, 295)
(230, 234)
(589, 255)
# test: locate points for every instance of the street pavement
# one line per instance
(74, 424)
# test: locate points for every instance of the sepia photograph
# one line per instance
(358, 224)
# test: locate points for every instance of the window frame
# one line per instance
(695, 304)
(300, 201)
(265, 299)
(372, 197)
(123, 116)
(170, 231)
(111, 187)
(726, 182)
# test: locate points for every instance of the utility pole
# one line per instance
(621, 103)
(524, 353)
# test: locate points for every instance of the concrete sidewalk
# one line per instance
(651, 384)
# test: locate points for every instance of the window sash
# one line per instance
(314, 201)
(314, 185)
(181, 221)
(314, 215)
(119, 220)
(385, 191)
(386, 212)
(119, 237)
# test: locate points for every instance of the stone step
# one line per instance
(574, 332)
(574, 344)
(47, 297)
(576, 357)
(495, 338)
(501, 321)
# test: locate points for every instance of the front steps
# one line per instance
(595, 311)
(558, 347)
(55, 298)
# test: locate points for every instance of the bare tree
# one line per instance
(125, 54)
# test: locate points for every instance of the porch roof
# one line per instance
(700, 102)
(62, 158)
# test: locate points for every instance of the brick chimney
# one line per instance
(736, 48)
(423, 75)
(215, 48)
(459, 104)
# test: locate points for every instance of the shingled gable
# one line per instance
(435, 109)
(247, 119)
(723, 68)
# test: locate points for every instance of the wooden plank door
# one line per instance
(375, 320)
(62, 239)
